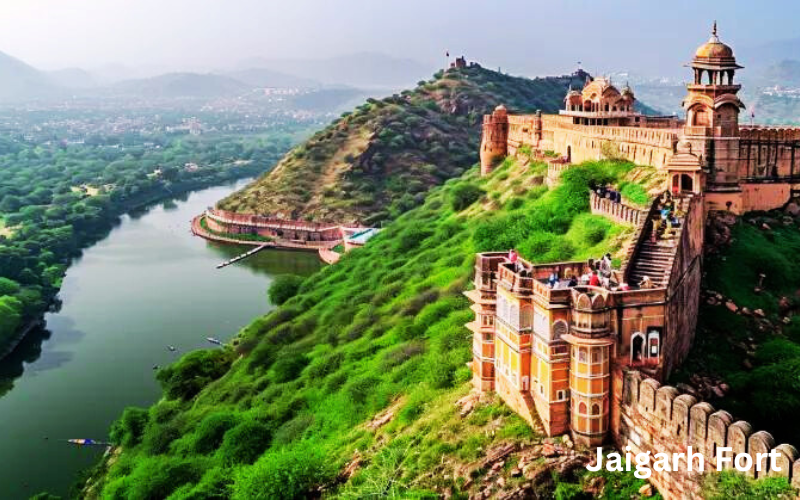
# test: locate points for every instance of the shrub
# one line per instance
(158, 437)
(8, 287)
(245, 443)
(293, 429)
(185, 378)
(155, 478)
(464, 195)
(732, 485)
(286, 474)
(211, 431)
(128, 429)
(284, 288)
(289, 366)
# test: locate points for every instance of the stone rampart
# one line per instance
(619, 212)
(659, 419)
(683, 290)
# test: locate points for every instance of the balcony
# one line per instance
(486, 266)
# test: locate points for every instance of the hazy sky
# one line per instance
(527, 37)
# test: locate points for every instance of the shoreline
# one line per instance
(278, 244)
(124, 209)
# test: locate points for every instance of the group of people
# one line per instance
(604, 191)
(667, 219)
(599, 274)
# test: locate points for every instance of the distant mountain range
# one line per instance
(19, 81)
(22, 82)
(366, 69)
(175, 85)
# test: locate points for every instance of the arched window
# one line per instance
(582, 355)
(582, 408)
(595, 409)
(637, 347)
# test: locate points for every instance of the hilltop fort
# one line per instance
(589, 359)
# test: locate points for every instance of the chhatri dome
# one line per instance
(714, 53)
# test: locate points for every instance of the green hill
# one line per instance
(380, 160)
(748, 336)
(351, 386)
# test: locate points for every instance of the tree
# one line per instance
(284, 288)
(465, 195)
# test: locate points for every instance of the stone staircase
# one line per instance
(654, 259)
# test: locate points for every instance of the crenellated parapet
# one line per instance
(616, 211)
(660, 419)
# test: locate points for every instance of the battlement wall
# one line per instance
(774, 134)
(619, 212)
(660, 419)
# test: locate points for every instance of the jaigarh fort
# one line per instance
(586, 353)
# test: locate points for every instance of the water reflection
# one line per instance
(28, 351)
(268, 262)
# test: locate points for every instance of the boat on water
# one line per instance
(87, 442)
(214, 341)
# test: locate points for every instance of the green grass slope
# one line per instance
(381, 333)
(380, 160)
(756, 349)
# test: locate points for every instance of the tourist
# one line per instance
(605, 266)
(656, 227)
(594, 280)
(624, 287)
(646, 283)
(552, 280)
(513, 256)
(573, 281)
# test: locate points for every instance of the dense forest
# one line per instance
(57, 197)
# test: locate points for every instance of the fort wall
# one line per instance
(659, 419)
(644, 145)
(683, 289)
(619, 212)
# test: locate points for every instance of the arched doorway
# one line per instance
(682, 183)
(569, 153)
(637, 348)
(687, 183)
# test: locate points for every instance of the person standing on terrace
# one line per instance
(513, 256)
(594, 280)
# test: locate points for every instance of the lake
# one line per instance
(150, 284)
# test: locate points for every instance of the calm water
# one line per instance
(148, 285)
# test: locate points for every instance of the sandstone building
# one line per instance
(589, 360)
(736, 167)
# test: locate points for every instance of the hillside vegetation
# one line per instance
(380, 160)
(748, 335)
(57, 199)
(364, 363)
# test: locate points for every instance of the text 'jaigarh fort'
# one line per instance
(589, 360)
